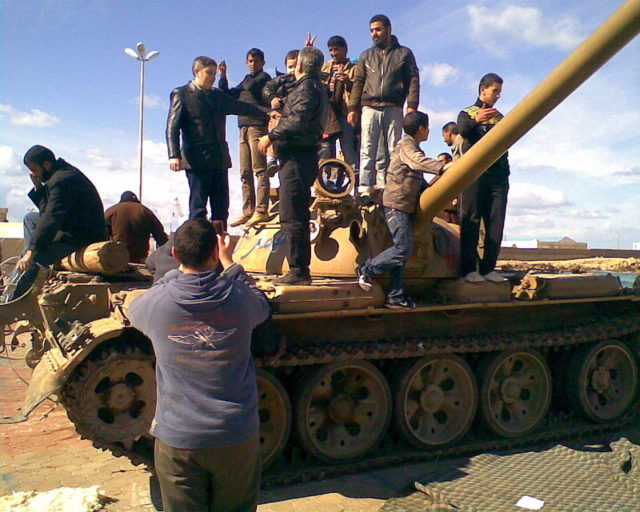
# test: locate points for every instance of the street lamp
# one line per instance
(140, 54)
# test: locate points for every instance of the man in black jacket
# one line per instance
(199, 111)
(486, 198)
(255, 198)
(71, 215)
(296, 139)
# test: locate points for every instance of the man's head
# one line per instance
(204, 72)
(129, 196)
(380, 28)
(310, 60)
(490, 89)
(337, 46)
(445, 158)
(449, 133)
(255, 60)
(40, 160)
(291, 60)
(416, 124)
(196, 245)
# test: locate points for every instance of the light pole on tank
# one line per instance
(141, 55)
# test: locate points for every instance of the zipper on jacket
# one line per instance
(382, 75)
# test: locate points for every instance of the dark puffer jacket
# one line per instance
(386, 77)
(303, 117)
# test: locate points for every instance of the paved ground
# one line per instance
(45, 452)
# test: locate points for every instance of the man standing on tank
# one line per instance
(386, 77)
(296, 139)
(486, 198)
(196, 139)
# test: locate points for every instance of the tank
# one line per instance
(354, 385)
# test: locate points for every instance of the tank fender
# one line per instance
(55, 367)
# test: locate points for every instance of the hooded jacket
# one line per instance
(200, 326)
(386, 77)
(404, 175)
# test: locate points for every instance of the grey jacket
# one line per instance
(404, 175)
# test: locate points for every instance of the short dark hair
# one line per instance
(382, 19)
(451, 127)
(38, 155)
(489, 79)
(447, 156)
(337, 41)
(291, 54)
(194, 241)
(414, 120)
(202, 62)
(256, 53)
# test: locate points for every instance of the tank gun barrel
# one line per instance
(584, 61)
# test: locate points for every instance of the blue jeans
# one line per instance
(210, 185)
(394, 258)
(54, 252)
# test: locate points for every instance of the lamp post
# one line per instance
(140, 54)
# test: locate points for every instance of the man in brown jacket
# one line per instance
(404, 183)
(132, 223)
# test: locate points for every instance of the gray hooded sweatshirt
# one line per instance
(200, 326)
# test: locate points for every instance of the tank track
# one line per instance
(293, 466)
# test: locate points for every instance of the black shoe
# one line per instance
(364, 279)
(405, 303)
(293, 279)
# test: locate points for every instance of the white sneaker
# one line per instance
(364, 190)
(494, 277)
(474, 277)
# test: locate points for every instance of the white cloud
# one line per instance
(151, 101)
(439, 73)
(525, 197)
(496, 30)
(36, 118)
(10, 162)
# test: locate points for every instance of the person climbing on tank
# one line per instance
(400, 197)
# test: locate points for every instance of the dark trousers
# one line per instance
(210, 185)
(394, 258)
(219, 479)
(298, 171)
(44, 257)
(485, 199)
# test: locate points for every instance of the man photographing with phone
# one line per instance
(486, 198)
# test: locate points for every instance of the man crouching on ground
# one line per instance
(206, 422)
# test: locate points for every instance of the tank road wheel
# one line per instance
(342, 410)
(111, 397)
(274, 409)
(435, 400)
(515, 392)
(602, 381)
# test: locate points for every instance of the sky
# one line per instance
(66, 83)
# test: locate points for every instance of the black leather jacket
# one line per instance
(201, 118)
(70, 209)
(303, 117)
(385, 77)
(279, 87)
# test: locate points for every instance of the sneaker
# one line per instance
(405, 303)
(364, 279)
(474, 277)
(494, 277)
(292, 279)
(240, 221)
(272, 169)
(364, 190)
(258, 218)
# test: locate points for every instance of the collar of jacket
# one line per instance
(392, 45)
(46, 176)
(307, 75)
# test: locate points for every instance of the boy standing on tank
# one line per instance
(401, 194)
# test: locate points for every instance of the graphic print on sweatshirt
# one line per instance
(198, 335)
